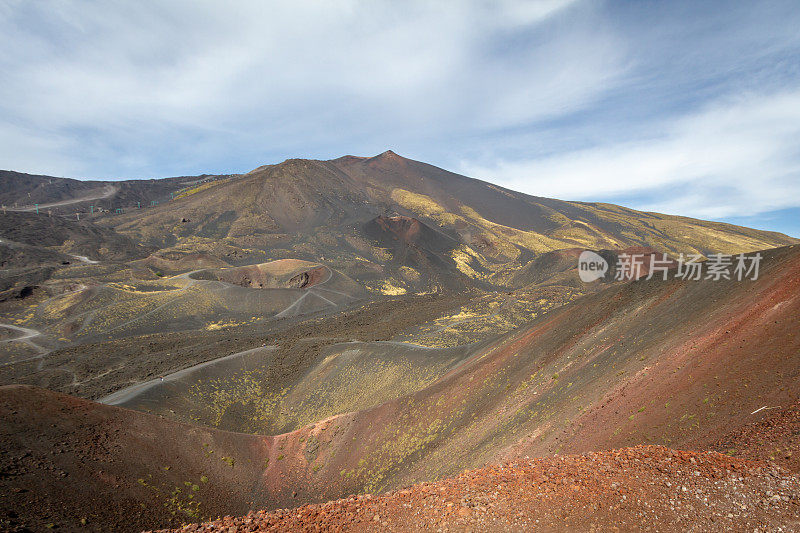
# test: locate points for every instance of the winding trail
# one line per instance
(128, 393)
(316, 291)
(27, 335)
(107, 192)
(81, 258)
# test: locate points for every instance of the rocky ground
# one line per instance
(776, 439)
(644, 488)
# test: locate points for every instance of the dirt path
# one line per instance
(107, 192)
(313, 291)
(191, 283)
(128, 393)
(27, 335)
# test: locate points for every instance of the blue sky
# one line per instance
(690, 108)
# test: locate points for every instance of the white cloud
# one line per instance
(112, 89)
(737, 157)
(246, 75)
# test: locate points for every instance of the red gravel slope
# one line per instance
(774, 438)
(641, 488)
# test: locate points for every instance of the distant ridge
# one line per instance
(322, 210)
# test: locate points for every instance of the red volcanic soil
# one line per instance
(312, 277)
(406, 229)
(413, 243)
(67, 463)
(645, 487)
(775, 438)
(416, 244)
(283, 273)
(723, 351)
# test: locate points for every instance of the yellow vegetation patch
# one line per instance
(419, 203)
(213, 326)
(489, 315)
(57, 308)
(217, 395)
(390, 289)
(529, 239)
(409, 274)
(201, 187)
(463, 258)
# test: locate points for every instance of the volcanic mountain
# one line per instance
(347, 212)
(184, 348)
(327, 211)
(298, 195)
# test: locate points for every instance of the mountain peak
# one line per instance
(387, 158)
(388, 154)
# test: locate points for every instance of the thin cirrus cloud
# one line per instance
(744, 150)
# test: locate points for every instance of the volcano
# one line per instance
(258, 344)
